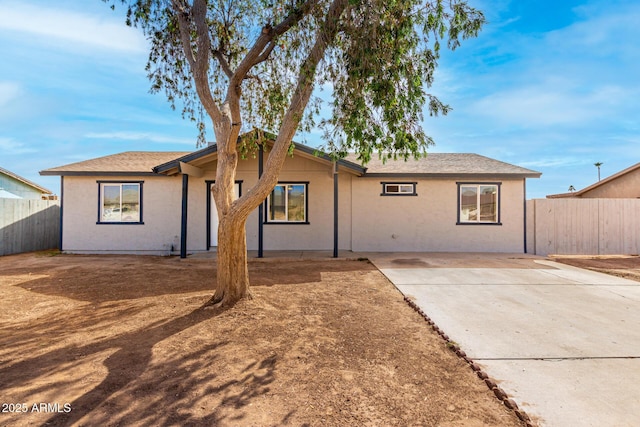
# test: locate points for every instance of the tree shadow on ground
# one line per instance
(79, 283)
(300, 272)
(76, 278)
(138, 391)
(92, 328)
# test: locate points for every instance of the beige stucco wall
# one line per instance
(162, 209)
(427, 222)
(161, 217)
(625, 186)
(368, 221)
(317, 235)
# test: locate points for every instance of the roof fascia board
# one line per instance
(95, 173)
(213, 149)
(175, 164)
(561, 195)
(451, 175)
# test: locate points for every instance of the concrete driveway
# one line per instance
(563, 342)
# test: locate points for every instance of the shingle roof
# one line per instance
(25, 181)
(129, 162)
(434, 164)
(446, 164)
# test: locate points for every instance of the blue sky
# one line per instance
(549, 85)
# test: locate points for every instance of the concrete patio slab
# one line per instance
(562, 341)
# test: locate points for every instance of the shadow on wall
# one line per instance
(28, 225)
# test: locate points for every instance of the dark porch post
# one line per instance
(335, 209)
(183, 223)
(261, 207)
(524, 192)
(62, 211)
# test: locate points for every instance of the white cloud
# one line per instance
(73, 28)
(140, 136)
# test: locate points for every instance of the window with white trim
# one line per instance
(398, 189)
(120, 202)
(479, 203)
(287, 203)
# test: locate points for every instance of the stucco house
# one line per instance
(622, 185)
(160, 202)
(13, 186)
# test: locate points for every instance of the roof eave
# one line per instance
(174, 165)
(451, 175)
(94, 173)
(562, 195)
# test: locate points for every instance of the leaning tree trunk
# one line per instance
(232, 273)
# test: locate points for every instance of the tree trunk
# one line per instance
(232, 273)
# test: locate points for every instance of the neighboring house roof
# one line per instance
(25, 181)
(446, 165)
(597, 184)
(127, 163)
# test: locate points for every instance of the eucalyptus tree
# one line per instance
(242, 64)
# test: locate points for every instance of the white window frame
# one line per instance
(478, 186)
(410, 186)
(101, 210)
(269, 220)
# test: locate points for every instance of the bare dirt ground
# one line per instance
(626, 266)
(124, 341)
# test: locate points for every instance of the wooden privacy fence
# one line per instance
(583, 226)
(28, 225)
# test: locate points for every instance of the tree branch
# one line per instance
(224, 64)
(183, 25)
(265, 54)
(266, 37)
(198, 62)
(299, 101)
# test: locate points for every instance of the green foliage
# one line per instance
(378, 67)
(381, 75)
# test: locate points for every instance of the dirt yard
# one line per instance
(627, 266)
(124, 341)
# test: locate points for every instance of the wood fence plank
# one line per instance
(28, 225)
(584, 226)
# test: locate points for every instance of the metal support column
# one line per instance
(183, 223)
